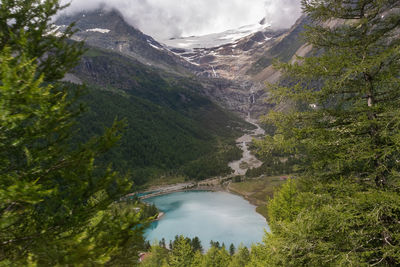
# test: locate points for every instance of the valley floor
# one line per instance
(256, 190)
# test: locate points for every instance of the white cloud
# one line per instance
(175, 18)
(282, 13)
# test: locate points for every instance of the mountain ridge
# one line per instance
(108, 30)
(232, 75)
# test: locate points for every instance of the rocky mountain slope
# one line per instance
(232, 74)
(247, 63)
(173, 128)
(175, 100)
(108, 30)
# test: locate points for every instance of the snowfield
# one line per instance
(214, 39)
(98, 30)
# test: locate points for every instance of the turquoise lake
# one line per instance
(217, 216)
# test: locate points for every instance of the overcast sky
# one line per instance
(164, 19)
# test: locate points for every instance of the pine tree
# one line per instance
(48, 47)
(198, 260)
(162, 243)
(216, 257)
(158, 257)
(346, 95)
(342, 124)
(196, 244)
(56, 206)
(241, 258)
(231, 250)
(182, 253)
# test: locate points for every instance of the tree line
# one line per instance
(188, 252)
(57, 207)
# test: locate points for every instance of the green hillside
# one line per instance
(172, 129)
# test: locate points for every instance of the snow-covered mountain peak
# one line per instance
(215, 39)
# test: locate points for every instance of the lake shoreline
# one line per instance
(206, 214)
(159, 216)
(208, 187)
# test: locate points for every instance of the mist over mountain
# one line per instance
(164, 19)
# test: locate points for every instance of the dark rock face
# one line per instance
(120, 37)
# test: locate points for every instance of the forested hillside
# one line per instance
(171, 128)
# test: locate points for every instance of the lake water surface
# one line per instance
(217, 216)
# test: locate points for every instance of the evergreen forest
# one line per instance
(70, 153)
